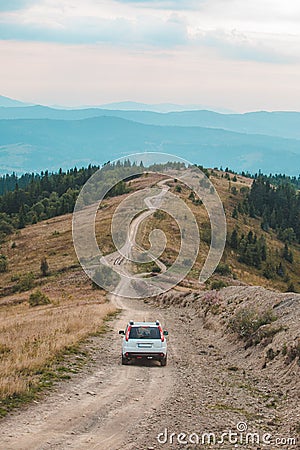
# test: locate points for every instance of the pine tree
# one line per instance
(21, 217)
(44, 267)
(287, 253)
(235, 213)
(234, 239)
(3, 263)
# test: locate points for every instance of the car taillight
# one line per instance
(161, 334)
(127, 333)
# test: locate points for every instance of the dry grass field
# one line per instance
(34, 339)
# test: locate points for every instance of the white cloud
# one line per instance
(13, 5)
(238, 29)
(120, 31)
(259, 47)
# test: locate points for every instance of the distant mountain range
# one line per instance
(158, 107)
(123, 106)
(281, 124)
(12, 103)
(34, 138)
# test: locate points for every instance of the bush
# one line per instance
(292, 352)
(218, 284)
(291, 288)
(212, 302)
(247, 321)
(25, 282)
(160, 215)
(37, 298)
(3, 264)
(223, 269)
(269, 271)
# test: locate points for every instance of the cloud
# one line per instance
(219, 30)
(177, 5)
(243, 47)
(143, 31)
(13, 5)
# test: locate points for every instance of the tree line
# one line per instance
(31, 198)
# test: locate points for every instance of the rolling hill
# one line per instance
(280, 124)
(7, 102)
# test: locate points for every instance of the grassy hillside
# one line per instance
(240, 272)
(35, 341)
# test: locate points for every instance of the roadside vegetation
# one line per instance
(34, 338)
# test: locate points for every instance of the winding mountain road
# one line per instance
(95, 409)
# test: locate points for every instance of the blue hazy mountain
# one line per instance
(157, 107)
(11, 103)
(283, 124)
(39, 144)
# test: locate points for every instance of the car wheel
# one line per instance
(124, 361)
(163, 362)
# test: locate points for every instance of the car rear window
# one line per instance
(144, 333)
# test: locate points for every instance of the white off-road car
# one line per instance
(144, 340)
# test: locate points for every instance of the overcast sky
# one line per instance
(239, 55)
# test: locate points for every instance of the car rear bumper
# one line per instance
(145, 355)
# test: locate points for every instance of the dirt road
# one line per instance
(210, 384)
(95, 409)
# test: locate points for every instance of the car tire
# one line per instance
(124, 361)
(163, 362)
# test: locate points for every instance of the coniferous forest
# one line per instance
(31, 198)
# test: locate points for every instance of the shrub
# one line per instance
(3, 264)
(25, 282)
(292, 352)
(269, 271)
(223, 269)
(212, 302)
(218, 284)
(4, 349)
(247, 321)
(244, 190)
(37, 298)
(291, 288)
(160, 215)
